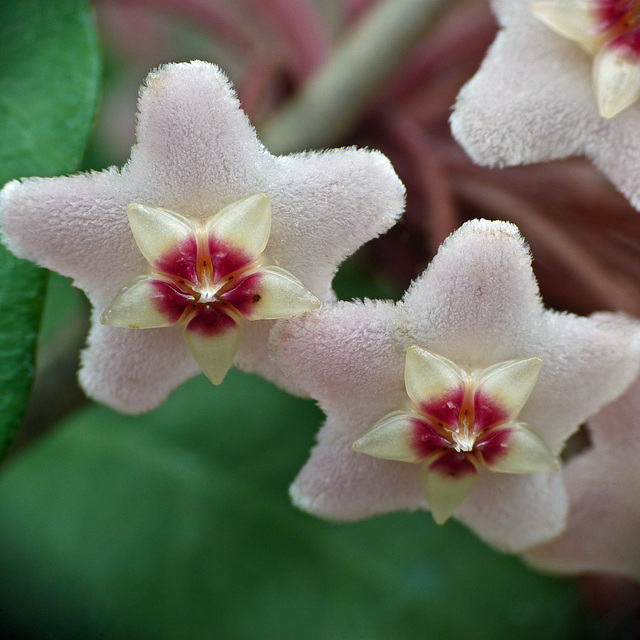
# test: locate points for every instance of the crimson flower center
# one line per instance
(463, 421)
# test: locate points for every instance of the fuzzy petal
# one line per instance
(328, 350)
(340, 484)
(195, 145)
(76, 226)
(532, 100)
(134, 370)
(514, 512)
(488, 265)
(328, 204)
(601, 357)
(604, 516)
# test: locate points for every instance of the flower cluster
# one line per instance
(205, 251)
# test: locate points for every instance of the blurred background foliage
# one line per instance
(177, 524)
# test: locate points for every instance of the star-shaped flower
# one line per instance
(603, 485)
(207, 231)
(533, 98)
(469, 377)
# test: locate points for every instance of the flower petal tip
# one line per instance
(616, 78)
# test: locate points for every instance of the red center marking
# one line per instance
(618, 21)
(181, 261)
(226, 259)
(211, 320)
(170, 299)
(426, 439)
(244, 294)
(455, 464)
(494, 445)
(445, 408)
(488, 413)
(451, 413)
(192, 271)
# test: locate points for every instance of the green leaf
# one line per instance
(177, 525)
(49, 77)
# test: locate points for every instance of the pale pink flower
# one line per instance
(533, 98)
(199, 202)
(468, 386)
(603, 485)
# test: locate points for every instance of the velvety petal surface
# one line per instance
(588, 360)
(77, 226)
(513, 512)
(532, 100)
(196, 154)
(134, 370)
(340, 484)
(604, 503)
(328, 204)
(477, 305)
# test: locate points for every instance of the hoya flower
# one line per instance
(533, 98)
(608, 30)
(460, 397)
(200, 241)
(604, 501)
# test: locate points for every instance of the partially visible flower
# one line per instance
(206, 201)
(604, 499)
(608, 30)
(448, 378)
(532, 100)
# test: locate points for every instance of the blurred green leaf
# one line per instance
(177, 525)
(49, 78)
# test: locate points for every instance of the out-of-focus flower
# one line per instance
(532, 101)
(196, 154)
(604, 505)
(478, 307)
(608, 30)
